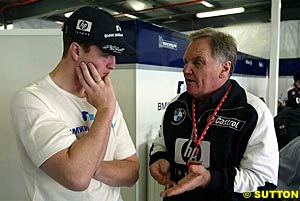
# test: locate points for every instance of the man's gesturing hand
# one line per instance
(198, 176)
(160, 171)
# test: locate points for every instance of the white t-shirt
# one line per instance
(48, 119)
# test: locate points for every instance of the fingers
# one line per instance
(174, 190)
(164, 169)
(106, 80)
(94, 73)
(155, 173)
(198, 177)
(185, 184)
(169, 184)
(81, 78)
(98, 92)
(196, 168)
(88, 73)
(200, 170)
(165, 181)
(159, 170)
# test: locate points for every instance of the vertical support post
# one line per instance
(274, 57)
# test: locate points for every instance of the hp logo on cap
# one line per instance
(84, 25)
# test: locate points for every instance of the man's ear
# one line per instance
(226, 67)
(74, 50)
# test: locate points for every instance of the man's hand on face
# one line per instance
(99, 92)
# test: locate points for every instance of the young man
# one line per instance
(217, 140)
(72, 138)
(294, 93)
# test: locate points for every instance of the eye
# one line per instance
(105, 55)
(197, 62)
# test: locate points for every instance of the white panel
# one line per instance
(252, 38)
(124, 82)
(259, 85)
(154, 89)
(289, 39)
(255, 85)
(123, 79)
(26, 55)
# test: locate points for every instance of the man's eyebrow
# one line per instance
(196, 58)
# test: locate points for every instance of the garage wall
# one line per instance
(26, 55)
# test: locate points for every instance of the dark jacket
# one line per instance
(287, 125)
(239, 149)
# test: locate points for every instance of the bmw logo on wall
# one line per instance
(179, 116)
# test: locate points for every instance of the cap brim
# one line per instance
(117, 47)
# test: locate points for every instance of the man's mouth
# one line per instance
(189, 80)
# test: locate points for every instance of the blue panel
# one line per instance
(154, 45)
(288, 67)
(250, 65)
(160, 46)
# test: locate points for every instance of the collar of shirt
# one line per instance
(213, 100)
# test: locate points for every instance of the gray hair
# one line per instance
(223, 46)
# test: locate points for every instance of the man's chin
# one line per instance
(191, 90)
(191, 93)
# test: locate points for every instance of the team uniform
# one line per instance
(287, 125)
(48, 119)
(240, 148)
(287, 122)
(293, 98)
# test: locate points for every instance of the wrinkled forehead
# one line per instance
(199, 46)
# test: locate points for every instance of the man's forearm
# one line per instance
(118, 172)
(85, 153)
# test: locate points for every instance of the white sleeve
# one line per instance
(261, 158)
(38, 127)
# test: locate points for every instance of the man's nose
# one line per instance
(111, 63)
(187, 68)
